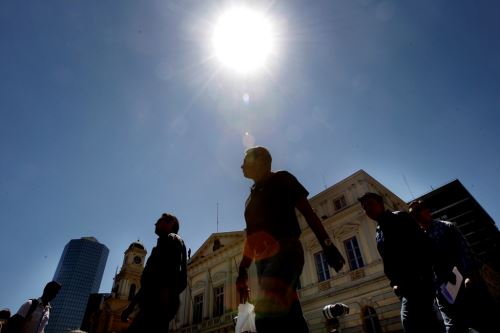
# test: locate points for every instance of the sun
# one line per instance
(243, 39)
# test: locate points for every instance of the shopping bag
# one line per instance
(245, 322)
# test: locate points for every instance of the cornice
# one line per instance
(217, 256)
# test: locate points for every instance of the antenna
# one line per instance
(324, 182)
(217, 216)
(407, 185)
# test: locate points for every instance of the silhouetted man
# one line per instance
(4, 316)
(163, 279)
(406, 253)
(473, 306)
(33, 315)
(272, 241)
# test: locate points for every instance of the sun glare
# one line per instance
(243, 39)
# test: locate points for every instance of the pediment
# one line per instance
(217, 242)
(199, 285)
(345, 230)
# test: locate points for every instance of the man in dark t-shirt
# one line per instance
(272, 241)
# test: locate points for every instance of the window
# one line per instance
(197, 308)
(131, 293)
(370, 321)
(218, 301)
(353, 253)
(339, 203)
(321, 266)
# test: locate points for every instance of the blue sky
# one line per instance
(112, 112)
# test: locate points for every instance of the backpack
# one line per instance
(16, 322)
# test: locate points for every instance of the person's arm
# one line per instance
(14, 324)
(466, 259)
(333, 256)
(242, 279)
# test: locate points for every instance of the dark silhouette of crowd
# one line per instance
(426, 261)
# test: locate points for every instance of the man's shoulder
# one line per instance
(404, 216)
(400, 213)
(26, 306)
(445, 223)
(395, 215)
(445, 226)
(173, 237)
(285, 178)
(283, 175)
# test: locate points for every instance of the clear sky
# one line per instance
(112, 112)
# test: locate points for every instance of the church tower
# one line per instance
(126, 284)
(128, 281)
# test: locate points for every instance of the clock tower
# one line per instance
(126, 284)
(128, 281)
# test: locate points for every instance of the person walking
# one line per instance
(473, 306)
(406, 254)
(33, 315)
(272, 242)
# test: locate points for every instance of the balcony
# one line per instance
(210, 324)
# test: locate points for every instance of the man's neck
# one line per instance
(263, 177)
(381, 217)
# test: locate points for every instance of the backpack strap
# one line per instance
(34, 304)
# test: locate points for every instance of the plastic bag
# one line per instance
(246, 319)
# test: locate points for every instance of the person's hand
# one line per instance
(396, 290)
(126, 313)
(242, 285)
(333, 257)
(467, 283)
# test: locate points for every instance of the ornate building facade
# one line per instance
(210, 302)
(106, 316)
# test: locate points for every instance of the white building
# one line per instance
(211, 301)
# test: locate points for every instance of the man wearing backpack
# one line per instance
(33, 315)
(163, 279)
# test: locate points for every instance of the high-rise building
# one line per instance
(79, 271)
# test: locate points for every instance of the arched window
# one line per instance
(370, 321)
(131, 293)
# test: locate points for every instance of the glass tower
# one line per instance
(79, 271)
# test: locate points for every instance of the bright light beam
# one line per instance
(243, 40)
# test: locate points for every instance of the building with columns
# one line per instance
(210, 302)
(361, 284)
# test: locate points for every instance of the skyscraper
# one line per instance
(79, 271)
